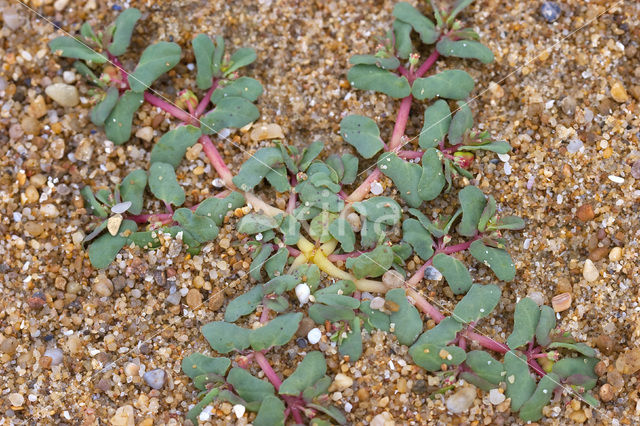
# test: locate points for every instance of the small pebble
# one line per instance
(377, 303)
(606, 392)
(376, 188)
(496, 397)
(69, 77)
(615, 254)
(113, 224)
(125, 416)
(12, 19)
(568, 105)
(462, 400)
(537, 297)
(239, 410)
(174, 298)
(629, 362)
(16, 399)
(618, 92)
(314, 336)
(305, 327)
(589, 271)
(131, 369)
(341, 382)
(431, 273)
(266, 131)
(616, 179)
(155, 378)
(561, 302)
(392, 279)
(103, 286)
(194, 298)
(50, 211)
(55, 354)
(63, 94)
(635, 169)
(354, 221)
(383, 419)
(121, 207)
(574, 146)
(145, 133)
(60, 5)
(585, 212)
(302, 293)
(550, 11)
(301, 342)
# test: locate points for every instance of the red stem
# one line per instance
(266, 368)
(486, 342)
(461, 246)
(291, 205)
(205, 101)
(428, 63)
(264, 316)
(410, 155)
(401, 123)
(536, 367)
(293, 251)
(345, 256)
(364, 188)
(216, 160)
(168, 108)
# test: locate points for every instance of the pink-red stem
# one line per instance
(487, 342)
(364, 188)
(401, 123)
(266, 368)
(216, 160)
(410, 155)
(168, 108)
(202, 106)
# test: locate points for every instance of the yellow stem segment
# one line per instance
(329, 247)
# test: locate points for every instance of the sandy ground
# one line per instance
(570, 112)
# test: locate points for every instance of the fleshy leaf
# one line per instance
(408, 324)
(319, 227)
(124, 29)
(362, 133)
(441, 334)
(197, 364)
(472, 201)
(70, 47)
(290, 228)
(437, 119)
(243, 304)
(374, 318)
(571, 366)
(351, 345)
(101, 111)
(525, 320)
(370, 77)
(465, 49)
(203, 49)
(477, 303)
(105, 248)
(341, 231)
(201, 228)
(415, 234)
(488, 213)
(371, 264)
(225, 337)
(333, 299)
(485, 366)
(402, 33)
(318, 388)
(510, 222)
(276, 263)
(240, 58)
(450, 84)
(310, 153)
(350, 163)
(118, 124)
(132, 189)
(259, 260)
(312, 368)
(90, 201)
(257, 167)
(385, 63)
(279, 285)
(253, 223)
(276, 332)
(546, 323)
(428, 225)
(423, 26)
(532, 409)
(154, 61)
(499, 147)
(330, 411)
(245, 87)
(217, 208)
(431, 357)
(194, 412)
(460, 123)
(232, 111)
(249, 387)
(581, 348)
(432, 180)
(454, 271)
(383, 210)
(405, 176)
(520, 384)
(164, 184)
(271, 412)
(321, 313)
(172, 145)
(498, 260)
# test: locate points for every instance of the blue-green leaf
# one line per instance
(402, 33)
(203, 49)
(154, 61)
(245, 87)
(124, 29)
(498, 260)
(118, 124)
(244, 304)
(525, 320)
(370, 77)
(240, 58)
(432, 180)
(312, 368)
(197, 364)
(450, 84)
(405, 176)
(257, 167)
(465, 49)
(520, 384)
(532, 409)
(249, 387)
(485, 366)
(408, 324)
(70, 47)
(225, 337)
(472, 201)
(385, 63)
(437, 119)
(164, 184)
(172, 145)
(232, 111)
(341, 231)
(460, 123)
(132, 189)
(271, 412)
(415, 234)
(362, 133)
(371, 264)
(351, 345)
(276, 332)
(454, 271)
(421, 24)
(101, 111)
(105, 248)
(477, 303)
(546, 323)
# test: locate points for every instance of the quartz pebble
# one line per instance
(155, 378)
(574, 146)
(125, 416)
(341, 382)
(629, 362)
(63, 94)
(462, 400)
(585, 212)
(383, 419)
(145, 133)
(56, 356)
(392, 279)
(496, 397)
(194, 298)
(302, 293)
(618, 92)
(239, 410)
(314, 336)
(635, 169)
(615, 254)
(589, 271)
(550, 11)
(376, 188)
(561, 302)
(12, 19)
(354, 221)
(266, 131)
(16, 399)
(537, 297)
(103, 286)
(131, 369)
(377, 303)
(49, 211)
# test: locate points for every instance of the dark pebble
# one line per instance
(302, 343)
(116, 7)
(419, 387)
(550, 11)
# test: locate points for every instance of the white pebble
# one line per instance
(239, 410)
(377, 303)
(55, 354)
(16, 399)
(462, 400)
(590, 272)
(507, 169)
(376, 188)
(496, 397)
(155, 378)
(314, 336)
(63, 94)
(616, 179)
(504, 157)
(145, 133)
(218, 183)
(69, 77)
(302, 293)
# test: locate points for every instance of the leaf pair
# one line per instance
(211, 63)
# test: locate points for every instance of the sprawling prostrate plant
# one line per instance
(119, 93)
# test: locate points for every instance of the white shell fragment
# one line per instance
(121, 207)
(314, 336)
(302, 293)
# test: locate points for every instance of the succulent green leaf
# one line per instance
(458, 6)
(345, 287)
(319, 227)
(203, 49)
(362, 133)
(194, 412)
(320, 387)
(465, 49)
(87, 73)
(352, 344)
(310, 274)
(70, 47)
(330, 411)
(197, 364)
(499, 147)
(441, 334)
(488, 213)
(232, 111)
(485, 366)
(87, 32)
(310, 153)
(164, 184)
(546, 323)
(276, 263)
(450, 84)
(217, 208)
(244, 304)
(402, 33)
(90, 201)
(312, 368)
(525, 320)
(571, 366)
(415, 234)
(261, 256)
(431, 357)
(432, 180)
(225, 337)
(218, 53)
(371, 264)
(385, 63)
(118, 124)
(520, 384)
(276, 332)
(383, 210)
(421, 24)
(427, 224)
(249, 387)
(257, 167)
(254, 223)
(132, 189)
(333, 299)
(240, 58)
(145, 239)
(321, 313)
(532, 409)
(245, 87)
(370, 77)
(454, 271)
(374, 318)
(350, 163)
(290, 228)
(341, 231)
(473, 202)
(279, 285)
(498, 260)
(513, 223)
(437, 119)
(479, 301)
(279, 304)
(460, 123)
(405, 176)
(173, 145)
(278, 179)
(101, 111)
(477, 381)
(271, 412)
(124, 29)
(408, 324)
(104, 249)
(155, 60)
(581, 348)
